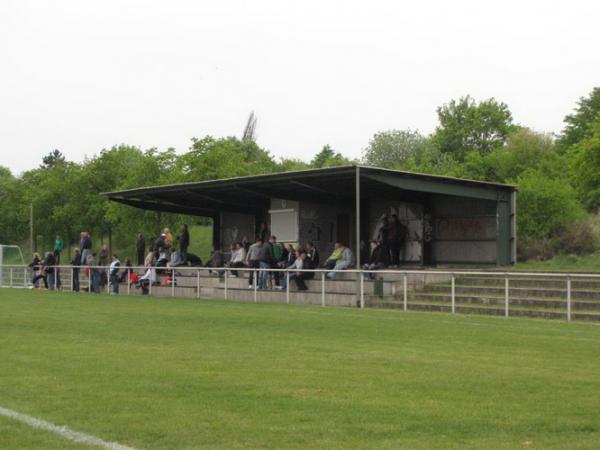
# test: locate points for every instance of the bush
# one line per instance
(545, 206)
(578, 238)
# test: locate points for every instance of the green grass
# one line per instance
(564, 263)
(174, 373)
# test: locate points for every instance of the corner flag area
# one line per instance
(81, 371)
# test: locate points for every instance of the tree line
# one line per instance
(558, 176)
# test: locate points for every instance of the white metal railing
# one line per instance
(21, 277)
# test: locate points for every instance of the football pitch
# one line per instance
(162, 373)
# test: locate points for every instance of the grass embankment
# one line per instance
(174, 373)
(564, 263)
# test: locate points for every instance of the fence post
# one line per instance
(89, 279)
(506, 294)
(322, 288)
(197, 283)
(24, 278)
(150, 282)
(128, 282)
(55, 278)
(287, 286)
(172, 282)
(568, 299)
(362, 290)
(11, 277)
(405, 292)
(453, 298)
(108, 281)
(226, 285)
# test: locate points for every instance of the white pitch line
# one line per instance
(63, 431)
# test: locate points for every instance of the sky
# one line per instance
(80, 76)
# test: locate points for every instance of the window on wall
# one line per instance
(284, 224)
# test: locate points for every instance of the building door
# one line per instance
(343, 229)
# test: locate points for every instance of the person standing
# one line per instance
(113, 271)
(59, 244)
(75, 262)
(85, 246)
(265, 262)
(140, 247)
(184, 242)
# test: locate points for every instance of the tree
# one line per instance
(585, 162)
(579, 124)
(327, 157)
(393, 148)
(469, 126)
(51, 159)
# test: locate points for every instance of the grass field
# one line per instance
(172, 373)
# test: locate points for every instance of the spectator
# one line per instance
(397, 238)
(298, 276)
(94, 277)
(162, 259)
(194, 260)
(252, 258)
(150, 260)
(238, 256)
(377, 258)
(140, 247)
(184, 242)
(264, 232)
(113, 273)
(168, 237)
(126, 275)
(278, 254)
(335, 256)
(158, 243)
(176, 258)
(265, 261)
(245, 244)
(103, 257)
(312, 255)
(147, 279)
(346, 260)
(85, 246)
(41, 272)
(75, 262)
(36, 266)
(216, 260)
(58, 247)
(50, 270)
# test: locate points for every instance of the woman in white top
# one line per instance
(238, 257)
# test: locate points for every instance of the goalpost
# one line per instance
(10, 255)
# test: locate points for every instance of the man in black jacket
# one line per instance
(140, 247)
(76, 262)
(377, 258)
(184, 243)
(312, 256)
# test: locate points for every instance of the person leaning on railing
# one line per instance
(36, 266)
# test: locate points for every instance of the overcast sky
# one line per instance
(85, 75)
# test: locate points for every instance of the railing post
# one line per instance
(108, 281)
(150, 282)
(405, 292)
(453, 298)
(128, 281)
(197, 283)
(287, 286)
(362, 290)
(11, 277)
(568, 299)
(55, 278)
(173, 282)
(89, 279)
(24, 278)
(322, 288)
(506, 294)
(226, 285)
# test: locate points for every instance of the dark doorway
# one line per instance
(343, 228)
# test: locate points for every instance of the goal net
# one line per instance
(11, 256)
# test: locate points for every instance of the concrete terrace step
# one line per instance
(559, 283)
(541, 302)
(479, 309)
(589, 294)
